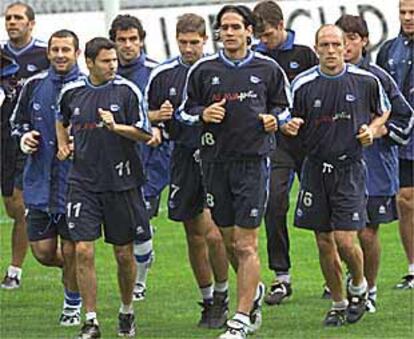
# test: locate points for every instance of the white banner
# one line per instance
(302, 16)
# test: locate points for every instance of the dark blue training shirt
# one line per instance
(334, 108)
(103, 160)
(252, 86)
(167, 82)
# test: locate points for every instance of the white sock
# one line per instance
(243, 318)
(340, 305)
(143, 252)
(221, 287)
(14, 271)
(126, 309)
(283, 277)
(358, 290)
(207, 292)
(91, 316)
(411, 269)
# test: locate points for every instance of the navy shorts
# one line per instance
(237, 191)
(332, 197)
(12, 165)
(42, 225)
(122, 214)
(187, 196)
(381, 210)
(406, 172)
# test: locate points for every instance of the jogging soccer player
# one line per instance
(31, 56)
(128, 34)
(278, 43)
(237, 94)
(396, 56)
(336, 101)
(186, 203)
(106, 116)
(45, 177)
(382, 156)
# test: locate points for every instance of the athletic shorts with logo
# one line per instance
(186, 198)
(42, 225)
(237, 191)
(381, 210)
(332, 196)
(123, 215)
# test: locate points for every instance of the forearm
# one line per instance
(131, 132)
(62, 134)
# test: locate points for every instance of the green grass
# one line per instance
(170, 309)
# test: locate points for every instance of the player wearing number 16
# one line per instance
(106, 116)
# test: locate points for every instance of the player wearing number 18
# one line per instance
(106, 117)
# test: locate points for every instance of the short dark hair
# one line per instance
(94, 46)
(64, 33)
(191, 23)
(29, 10)
(325, 26)
(353, 24)
(244, 11)
(269, 12)
(125, 22)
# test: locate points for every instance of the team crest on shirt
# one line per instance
(215, 80)
(294, 65)
(31, 68)
(317, 103)
(350, 98)
(76, 111)
(114, 107)
(36, 106)
(172, 92)
(254, 79)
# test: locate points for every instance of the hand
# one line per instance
(215, 113)
(64, 151)
(381, 131)
(365, 135)
(269, 122)
(29, 142)
(107, 118)
(156, 137)
(291, 128)
(166, 111)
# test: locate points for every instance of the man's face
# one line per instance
(104, 67)
(330, 49)
(18, 26)
(128, 45)
(354, 45)
(272, 36)
(407, 16)
(191, 46)
(233, 32)
(62, 54)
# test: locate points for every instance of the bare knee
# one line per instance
(325, 242)
(15, 207)
(84, 253)
(124, 255)
(44, 256)
(68, 250)
(214, 237)
(367, 235)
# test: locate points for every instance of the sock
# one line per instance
(91, 316)
(221, 287)
(14, 272)
(358, 290)
(411, 269)
(72, 300)
(283, 277)
(143, 253)
(372, 292)
(243, 318)
(340, 305)
(126, 309)
(207, 293)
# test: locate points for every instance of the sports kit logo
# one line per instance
(254, 79)
(172, 92)
(31, 68)
(317, 103)
(215, 80)
(294, 65)
(114, 107)
(350, 98)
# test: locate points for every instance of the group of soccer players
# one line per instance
(227, 132)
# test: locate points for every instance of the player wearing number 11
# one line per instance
(106, 117)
